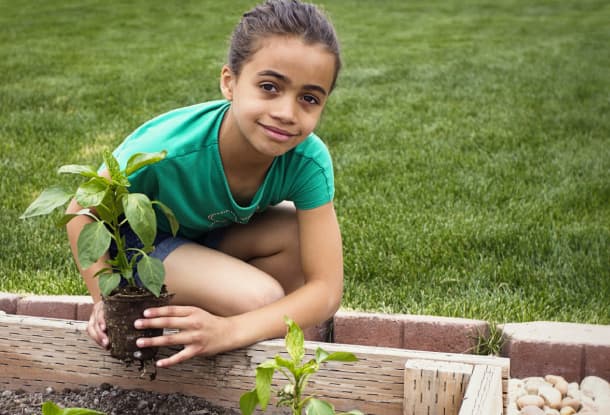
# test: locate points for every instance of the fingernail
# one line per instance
(138, 324)
(105, 342)
(140, 343)
(146, 313)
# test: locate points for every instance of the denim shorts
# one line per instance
(164, 243)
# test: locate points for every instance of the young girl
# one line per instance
(252, 188)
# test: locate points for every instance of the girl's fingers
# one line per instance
(170, 317)
(179, 323)
(168, 311)
(177, 339)
(96, 327)
(181, 356)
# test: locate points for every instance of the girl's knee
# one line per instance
(271, 292)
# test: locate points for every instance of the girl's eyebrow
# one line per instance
(285, 79)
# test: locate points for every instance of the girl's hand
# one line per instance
(96, 327)
(199, 332)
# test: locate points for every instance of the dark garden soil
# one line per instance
(108, 399)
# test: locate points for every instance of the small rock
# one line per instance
(530, 400)
(6, 394)
(550, 411)
(531, 410)
(551, 396)
(48, 390)
(567, 410)
(595, 387)
(571, 402)
(516, 389)
(603, 406)
(553, 379)
(142, 405)
(532, 384)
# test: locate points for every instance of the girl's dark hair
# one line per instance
(282, 17)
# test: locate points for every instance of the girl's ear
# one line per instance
(227, 80)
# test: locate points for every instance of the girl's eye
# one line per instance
(268, 87)
(310, 99)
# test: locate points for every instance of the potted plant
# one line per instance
(111, 205)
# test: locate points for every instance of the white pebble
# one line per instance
(595, 387)
(551, 396)
(530, 400)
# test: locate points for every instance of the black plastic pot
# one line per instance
(121, 309)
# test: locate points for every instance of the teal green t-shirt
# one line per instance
(191, 179)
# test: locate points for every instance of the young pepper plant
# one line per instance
(297, 373)
(110, 204)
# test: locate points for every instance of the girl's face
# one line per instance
(278, 97)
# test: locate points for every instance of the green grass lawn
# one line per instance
(471, 140)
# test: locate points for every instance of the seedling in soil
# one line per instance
(298, 373)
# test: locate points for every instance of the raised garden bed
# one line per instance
(39, 352)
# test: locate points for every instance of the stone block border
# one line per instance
(534, 348)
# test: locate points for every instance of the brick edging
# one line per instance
(535, 349)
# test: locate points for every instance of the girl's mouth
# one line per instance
(277, 134)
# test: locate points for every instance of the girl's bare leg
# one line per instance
(255, 265)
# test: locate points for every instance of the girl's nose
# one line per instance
(285, 110)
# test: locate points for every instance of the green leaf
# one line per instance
(169, 214)
(335, 356)
(269, 363)
(321, 355)
(141, 216)
(248, 402)
(47, 202)
(108, 282)
(152, 274)
(81, 411)
(139, 160)
(110, 209)
(69, 216)
(309, 368)
(86, 171)
(92, 192)
(352, 412)
(264, 375)
(295, 341)
(288, 364)
(319, 407)
(50, 408)
(114, 169)
(93, 242)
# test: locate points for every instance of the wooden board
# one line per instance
(434, 387)
(484, 393)
(38, 352)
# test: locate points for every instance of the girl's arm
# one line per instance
(74, 228)
(320, 297)
(97, 326)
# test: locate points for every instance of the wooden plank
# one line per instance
(484, 392)
(60, 353)
(433, 387)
